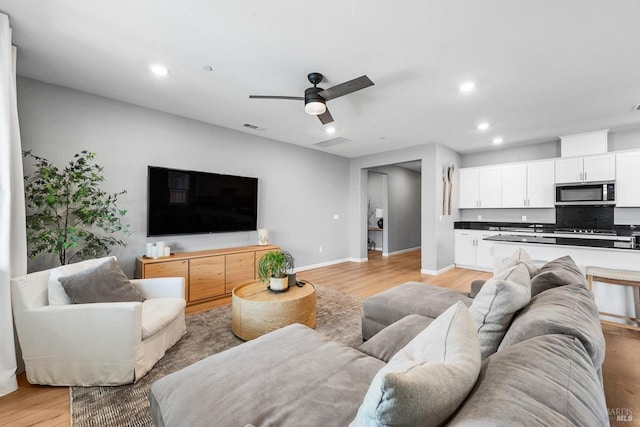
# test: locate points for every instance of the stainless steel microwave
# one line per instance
(588, 193)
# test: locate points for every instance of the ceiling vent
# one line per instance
(253, 127)
(331, 142)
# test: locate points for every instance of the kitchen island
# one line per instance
(596, 252)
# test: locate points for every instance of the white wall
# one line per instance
(402, 216)
(435, 257)
(299, 189)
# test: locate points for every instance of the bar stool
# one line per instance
(617, 277)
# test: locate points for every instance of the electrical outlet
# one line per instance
(440, 217)
(336, 217)
(320, 249)
(479, 217)
(524, 217)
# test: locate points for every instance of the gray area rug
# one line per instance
(209, 332)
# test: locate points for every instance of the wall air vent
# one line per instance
(253, 127)
(331, 142)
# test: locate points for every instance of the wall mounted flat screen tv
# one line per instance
(191, 202)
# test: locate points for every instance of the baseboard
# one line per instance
(437, 272)
(404, 251)
(323, 264)
(474, 267)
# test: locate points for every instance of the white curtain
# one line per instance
(13, 244)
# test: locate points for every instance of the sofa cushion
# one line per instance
(559, 272)
(103, 283)
(426, 381)
(290, 377)
(57, 294)
(568, 310)
(545, 381)
(386, 343)
(519, 257)
(158, 313)
(476, 285)
(494, 306)
(387, 307)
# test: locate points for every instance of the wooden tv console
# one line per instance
(208, 275)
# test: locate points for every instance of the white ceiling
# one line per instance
(542, 68)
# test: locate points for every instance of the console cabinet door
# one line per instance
(628, 179)
(464, 249)
(240, 268)
(207, 277)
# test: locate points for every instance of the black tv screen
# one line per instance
(191, 202)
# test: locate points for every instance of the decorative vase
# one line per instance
(263, 236)
(380, 222)
(279, 284)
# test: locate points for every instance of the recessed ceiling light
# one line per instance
(497, 140)
(159, 70)
(483, 126)
(331, 130)
(467, 87)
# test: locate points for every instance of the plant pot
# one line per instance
(279, 283)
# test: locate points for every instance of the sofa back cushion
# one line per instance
(547, 380)
(568, 310)
(494, 306)
(57, 294)
(559, 272)
(426, 381)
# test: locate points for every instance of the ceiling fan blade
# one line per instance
(325, 117)
(346, 88)
(294, 98)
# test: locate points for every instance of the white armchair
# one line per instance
(95, 344)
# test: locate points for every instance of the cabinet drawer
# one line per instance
(206, 277)
(167, 269)
(240, 268)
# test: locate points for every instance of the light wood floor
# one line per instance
(49, 406)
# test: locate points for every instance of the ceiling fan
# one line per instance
(315, 98)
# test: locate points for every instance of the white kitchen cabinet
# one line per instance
(480, 187)
(586, 169)
(471, 251)
(540, 184)
(469, 188)
(628, 179)
(514, 185)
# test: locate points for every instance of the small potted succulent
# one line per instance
(273, 268)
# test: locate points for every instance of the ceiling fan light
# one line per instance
(315, 107)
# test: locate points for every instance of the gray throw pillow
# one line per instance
(519, 257)
(426, 381)
(104, 283)
(559, 272)
(496, 303)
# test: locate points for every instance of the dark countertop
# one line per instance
(567, 241)
(531, 227)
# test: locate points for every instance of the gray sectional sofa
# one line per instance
(428, 360)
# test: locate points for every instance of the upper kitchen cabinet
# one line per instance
(481, 187)
(528, 185)
(586, 169)
(628, 179)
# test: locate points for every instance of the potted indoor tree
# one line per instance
(273, 268)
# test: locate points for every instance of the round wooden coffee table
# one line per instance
(255, 310)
